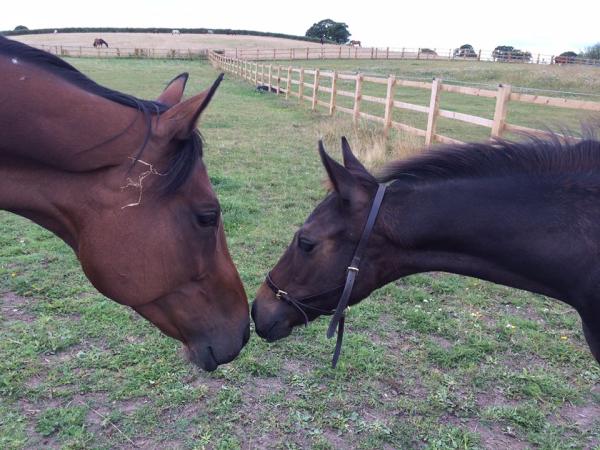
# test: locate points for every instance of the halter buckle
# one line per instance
(354, 269)
(280, 293)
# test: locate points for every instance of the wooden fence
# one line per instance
(347, 52)
(122, 52)
(280, 80)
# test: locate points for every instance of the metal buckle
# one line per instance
(280, 293)
(355, 269)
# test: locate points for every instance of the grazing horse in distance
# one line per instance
(354, 44)
(122, 181)
(98, 42)
(525, 215)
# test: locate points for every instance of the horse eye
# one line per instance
(305, 244)
(207, 219)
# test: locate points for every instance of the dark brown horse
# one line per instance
(355, 44)
(526, 215)
(99, 42)
(121, 180)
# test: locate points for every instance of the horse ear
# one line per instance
(174, 90)
(342, 180)
(179, 121)
(351, 162)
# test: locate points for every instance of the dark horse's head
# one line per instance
(123, 182)
(313, 268)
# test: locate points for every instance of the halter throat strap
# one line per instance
(339, 316)
(337, 321)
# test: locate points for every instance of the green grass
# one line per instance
(431, 361)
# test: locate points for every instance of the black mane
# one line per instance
(182, 161)
(534, 157)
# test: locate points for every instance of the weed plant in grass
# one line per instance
(429, 361)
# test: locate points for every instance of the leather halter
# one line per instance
(339, 313)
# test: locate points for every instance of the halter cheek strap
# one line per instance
(339, 316)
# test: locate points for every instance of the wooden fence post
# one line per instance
(315, 90)
(269, 84)
(306, 52)
(502, 98)
(387, 53)
(333, 93)
(357, 98)
(389, 105)
(256, 74)
(278, 79)
(301, 86)
(434, 108)
(289, 83)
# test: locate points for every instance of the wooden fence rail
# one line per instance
(255, 73)
(124, 52)
(348, 52)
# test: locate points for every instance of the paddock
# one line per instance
(436, 361)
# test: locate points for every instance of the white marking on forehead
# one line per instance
(15, 61)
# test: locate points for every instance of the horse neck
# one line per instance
(53, 122)
(519, 233)
(58, 142)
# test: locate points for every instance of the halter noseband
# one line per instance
(339, 313)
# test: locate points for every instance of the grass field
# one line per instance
(432, 361)
(163, 40)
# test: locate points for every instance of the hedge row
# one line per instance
(157, 30)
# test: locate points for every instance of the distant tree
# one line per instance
(21, 28)
(592, 52)
(509, 53)
(465, 51)
(329, 30)
(565, 58)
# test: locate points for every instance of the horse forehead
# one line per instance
(199, 183)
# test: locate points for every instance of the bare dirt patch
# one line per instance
(584, 417)
(494, 437)
(13, 308)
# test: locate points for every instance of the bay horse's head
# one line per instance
(153, 238)
(308, 280)
(123, 182)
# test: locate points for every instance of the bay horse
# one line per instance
(354, 44)
(525, 215)
(122, 182)
(99, 42)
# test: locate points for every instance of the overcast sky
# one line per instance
(545, 27)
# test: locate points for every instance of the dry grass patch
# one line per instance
(163, 40)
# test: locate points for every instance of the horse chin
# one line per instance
(209, 356)
(203, 358)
